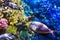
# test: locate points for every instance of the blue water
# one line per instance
(47, 12)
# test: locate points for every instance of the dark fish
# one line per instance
(40, 27)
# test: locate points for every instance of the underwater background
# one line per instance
(46, 11)
(18, 11)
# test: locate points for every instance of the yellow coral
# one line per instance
(13, 15)
(1, 15)
(12, 29)
(16, 1)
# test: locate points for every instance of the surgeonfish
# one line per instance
(40, 27)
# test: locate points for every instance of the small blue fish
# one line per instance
(13, 5)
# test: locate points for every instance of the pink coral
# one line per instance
(3, 23)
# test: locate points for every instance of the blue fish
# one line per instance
(13, 5)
